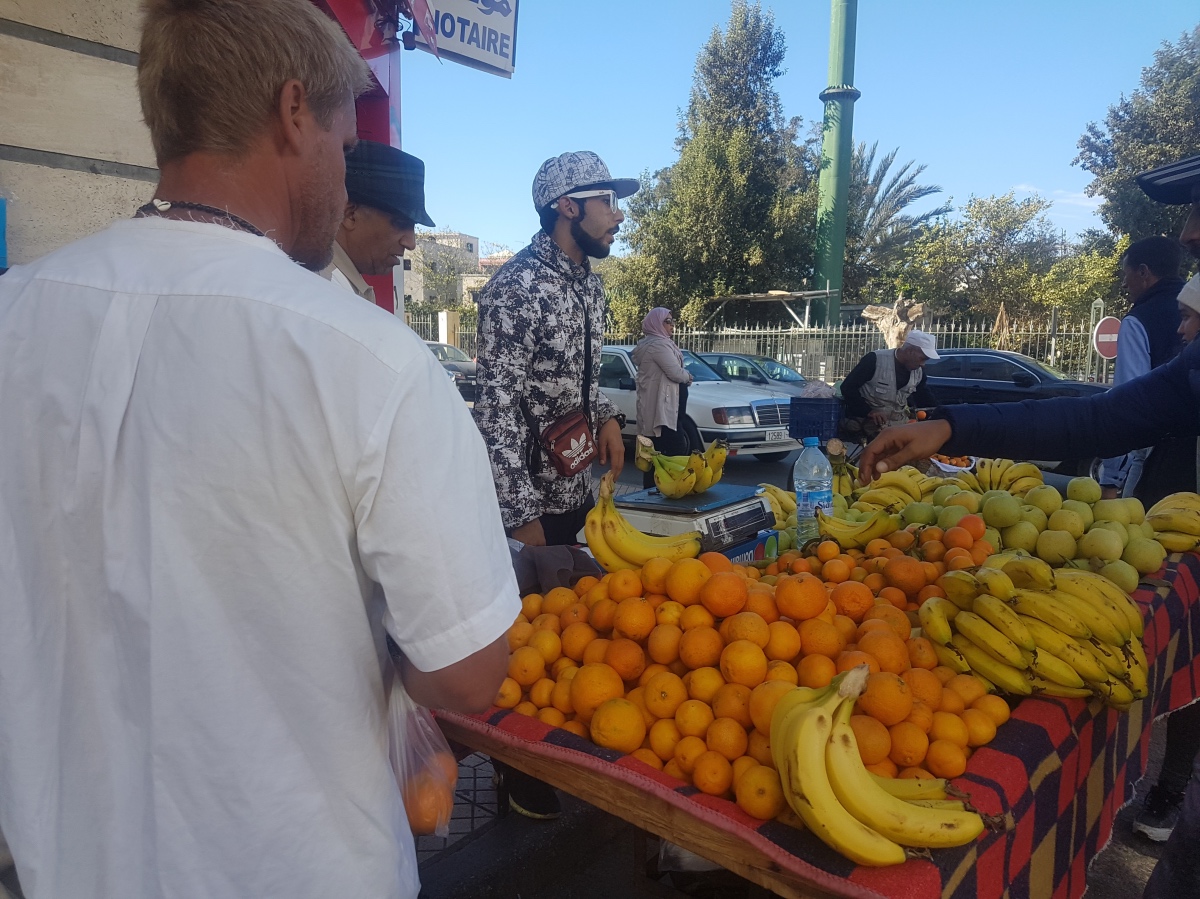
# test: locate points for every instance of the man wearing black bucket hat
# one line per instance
(385, 190)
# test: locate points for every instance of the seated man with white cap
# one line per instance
(885, 385)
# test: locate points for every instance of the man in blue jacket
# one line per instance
(1149, 338)
(1135, 414)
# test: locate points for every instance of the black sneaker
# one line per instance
(1159, 813)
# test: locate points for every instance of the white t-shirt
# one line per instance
(221, 479)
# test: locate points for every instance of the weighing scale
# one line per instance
(725, 514)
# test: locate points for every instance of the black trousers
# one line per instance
(563, 529)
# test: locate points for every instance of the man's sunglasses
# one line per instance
(611, 195)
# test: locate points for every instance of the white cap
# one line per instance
(923, 342)
(1190, 295)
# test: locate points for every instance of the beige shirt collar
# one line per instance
(345, 267)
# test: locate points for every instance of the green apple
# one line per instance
(967, 499)
(1001, 510)
(1111, 510)
(1034, 516)
(1069, 521)
(944, 493)
(1055, 546)
(1122, 574)
(1137, 512)
(919, 513)
(1115, 526)
(1082, 509)
(1022, 535)
(1100, 543)
(1084, 490)
(950, 516)
(1145, 555)
(1046, 498)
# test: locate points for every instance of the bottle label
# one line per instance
(808, 501)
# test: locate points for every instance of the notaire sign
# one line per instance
(481, 34)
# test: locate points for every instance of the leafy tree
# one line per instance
(1079, 278)
(1157, 124)
(878, 230)
(988, 257)
(735, 213)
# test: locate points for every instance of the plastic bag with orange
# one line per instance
(425, 768)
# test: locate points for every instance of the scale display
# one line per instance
(725, 514)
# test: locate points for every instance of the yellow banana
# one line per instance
(995, 582)
(1043, 607)
(715, 456)
(1029, 572)
(970, 481)
(639, 548)
(643, 453)
(1184, 521)
(895, 819)
(983, 474)
(1087, 593)
(1109, 658)
(935, 615)
(999, 467)
(901, 481)
(800, 760)
(1024, 485)
(1071, 577)
(958, 805)
(1001, 616)
(980, 632)
(1041, 686)
(1018, 471)
(913, 789)
(950, 657)
(1006, 678)
(593, 531)
(1052, 668)
(1101, 626)
(704, 479)
(1117, 694)
(1054, 642)
(1176, 501)
(786, 500)
(800, 697)
(1176, 542)
(961, 587)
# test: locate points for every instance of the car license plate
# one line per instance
(772, 436)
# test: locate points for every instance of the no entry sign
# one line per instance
(1104, 338)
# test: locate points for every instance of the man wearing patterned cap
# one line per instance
(541, 328)
(385, 190)
(536, 318)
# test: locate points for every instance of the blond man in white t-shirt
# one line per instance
(222, 487)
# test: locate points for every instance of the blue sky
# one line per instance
(991, 97)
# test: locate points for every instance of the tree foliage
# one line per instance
(990, 255)
(1157, 124)
(735, 213)
(878, 229)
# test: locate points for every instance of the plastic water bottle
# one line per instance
(814, 489)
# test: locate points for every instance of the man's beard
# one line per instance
(590, 245)
(320, 218)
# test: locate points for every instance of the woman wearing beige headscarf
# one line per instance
(662, 384)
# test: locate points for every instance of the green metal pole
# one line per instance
(836, 149)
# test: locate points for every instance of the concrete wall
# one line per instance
(74, 152)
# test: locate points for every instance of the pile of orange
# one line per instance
(681, 663)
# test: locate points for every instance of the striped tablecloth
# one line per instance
(1058, 770)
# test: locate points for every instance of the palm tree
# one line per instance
(878, 230)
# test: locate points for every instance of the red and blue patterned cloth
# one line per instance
(1058, 771)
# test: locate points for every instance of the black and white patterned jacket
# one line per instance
(530, 347)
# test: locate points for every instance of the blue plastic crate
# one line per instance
(814, 417)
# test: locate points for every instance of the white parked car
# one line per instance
(753, 419)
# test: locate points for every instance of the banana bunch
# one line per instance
(616, 544)
(679, 476)
(893, 490)
(844, 474)
(867, 819)
(1018, 478)
(857, 534)
(783, 505)
(1176, 522)
(1078, 636)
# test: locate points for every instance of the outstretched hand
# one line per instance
(900, 445)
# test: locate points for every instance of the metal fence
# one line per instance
(828, 354)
